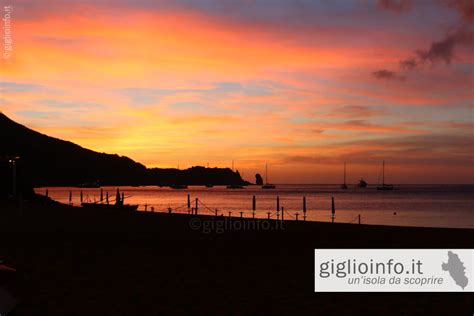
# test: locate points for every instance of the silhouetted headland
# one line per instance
(48, 161)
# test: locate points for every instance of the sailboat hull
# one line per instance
(235, 186)
(178, 186)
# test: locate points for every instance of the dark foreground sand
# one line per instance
(77, 262)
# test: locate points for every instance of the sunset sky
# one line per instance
(301, 85)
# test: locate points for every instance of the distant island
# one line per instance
(48, 161)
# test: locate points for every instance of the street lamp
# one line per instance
(13, 161)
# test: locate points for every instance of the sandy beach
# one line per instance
(80, 262)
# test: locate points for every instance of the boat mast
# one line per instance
(266, 173)
(383, 172)
(344, 173)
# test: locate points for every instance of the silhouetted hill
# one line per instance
(48, 161)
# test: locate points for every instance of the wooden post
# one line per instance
(117, 197)
(146, 207)
(123, 197)
(106, 196)
(47, 193)
(282, 213)
(304, 208)
(169, 210)
(333, 210)
(296, 214)
(216, 212)
(230, 213)
(278, 203)
(196, 208)
(81, 197)
(189, 203)
(268, 215)
(254, 204)
(70, 197)
(359, 219)
(241, 214)
(101, 195)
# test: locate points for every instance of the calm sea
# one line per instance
(407, 205)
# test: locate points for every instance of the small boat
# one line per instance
(179, 186)
(118, 205)
(344, 185)
(362, 183)
(267, 185)
(89, 185)
(235, 186)
(384, 186)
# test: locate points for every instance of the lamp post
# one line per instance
(13, 160)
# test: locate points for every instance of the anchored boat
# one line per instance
(235, 186)
(267, 185)
(384, 186)
(362, 183)
(94, 184)
(179, 186)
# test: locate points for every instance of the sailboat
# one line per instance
(384, 186)
(235, 186)
(267, 185)
(344, 185)
(178, 186)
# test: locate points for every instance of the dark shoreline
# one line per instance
(45, 215)
(77, 261)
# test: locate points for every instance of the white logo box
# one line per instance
(393, 270)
